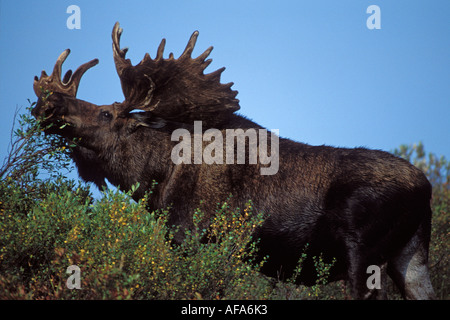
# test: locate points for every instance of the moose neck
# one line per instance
(124, 160)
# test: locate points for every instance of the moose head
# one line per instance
(163, 89)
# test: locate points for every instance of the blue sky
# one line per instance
(311, 69)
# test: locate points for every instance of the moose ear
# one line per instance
(146, 119)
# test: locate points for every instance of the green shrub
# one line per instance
(124, 251)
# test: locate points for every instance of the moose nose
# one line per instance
(39, 108)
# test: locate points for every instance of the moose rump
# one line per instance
(362, 207)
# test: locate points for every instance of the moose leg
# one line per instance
(361, 286)
(409, 269)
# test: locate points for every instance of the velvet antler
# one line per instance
(69, 84)
(175, 89)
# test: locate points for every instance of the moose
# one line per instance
(363, 207)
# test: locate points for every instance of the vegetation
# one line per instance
(48, 223)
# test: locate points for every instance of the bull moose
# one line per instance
(363, 207)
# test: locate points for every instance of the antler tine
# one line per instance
(74, 81)
(69, 84)
(205, 54)
(201, 58)
(54, 80)
(190, 46)
(160, 52)
(56, 74)
(36, 83)
(119, 54)
(116, 34)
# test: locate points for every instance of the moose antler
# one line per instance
(175, 89)
(69, 84)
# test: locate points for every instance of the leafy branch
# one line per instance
(30, 150)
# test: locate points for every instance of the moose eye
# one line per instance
(106, 115)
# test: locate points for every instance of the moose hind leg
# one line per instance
(409, 269)
(364, 284)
